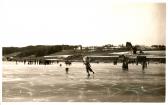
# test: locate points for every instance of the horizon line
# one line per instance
(81, 45)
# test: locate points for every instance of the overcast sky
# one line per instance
(85, 22)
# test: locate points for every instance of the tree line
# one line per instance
(39, 50)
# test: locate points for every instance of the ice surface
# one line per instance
(108, 84)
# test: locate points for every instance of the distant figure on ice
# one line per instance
(115, 61)
(125, 63)
(143, 61)
(16, 62)
(60, 65)
(88, 66)
(24, 62)
(67, 63)
(66, 70)
(144, 65)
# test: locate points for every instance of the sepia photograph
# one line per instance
(83, 51)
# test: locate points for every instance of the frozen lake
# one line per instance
(109, 83)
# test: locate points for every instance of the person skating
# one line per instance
(88, 66)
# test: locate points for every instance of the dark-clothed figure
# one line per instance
(88, 66)
(24, 62)
(125, 63)
(143, 61)
(60, 65)
(115, 61)
(144, 65)
(66, 70)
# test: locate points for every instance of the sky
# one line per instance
(81, 22)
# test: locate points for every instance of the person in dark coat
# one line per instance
(125, 61)
(88, 66)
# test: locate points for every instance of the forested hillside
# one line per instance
(39, 50)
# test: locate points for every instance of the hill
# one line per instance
(37, 51)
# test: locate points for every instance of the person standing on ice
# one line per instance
(88, 66)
